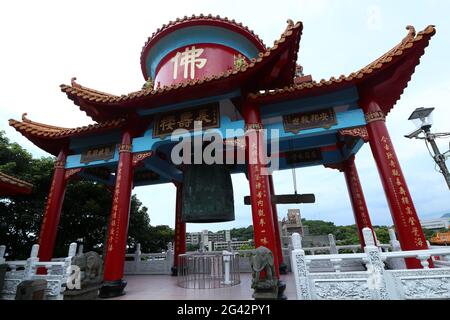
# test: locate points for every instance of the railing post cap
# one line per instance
(368, 237)
(34, 251)
(392, 235)
(72, 249)
(296, 240)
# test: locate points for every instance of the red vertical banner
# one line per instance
(276, 224)
(357, 199)
(263, 223)
(52, 214)
(120, 213)
(180, 228)
(402, 209)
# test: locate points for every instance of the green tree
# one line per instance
(84, 216)
(247, 247)
(382, 233)
(319, 227)
(192, 247)
(242, 234)
(346, 235)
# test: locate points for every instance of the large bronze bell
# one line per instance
(207, 194)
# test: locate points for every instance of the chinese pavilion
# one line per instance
(11, 186)
(217, 71)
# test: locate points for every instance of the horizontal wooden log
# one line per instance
(288, 199)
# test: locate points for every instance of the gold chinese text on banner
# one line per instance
(98, 153)
(299, 156)
(309, 120)
(208, 114)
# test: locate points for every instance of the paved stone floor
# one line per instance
(165, 288)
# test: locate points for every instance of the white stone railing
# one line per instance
(354, 248)
(56, 273)
(376, 282)
(148, 263)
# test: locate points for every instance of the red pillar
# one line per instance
(52, 212)
(357, 199)
(118, 226)
(402, 209)
(277, 229)
(180, 229)
(263, 224)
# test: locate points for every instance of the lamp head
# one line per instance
(422, 118)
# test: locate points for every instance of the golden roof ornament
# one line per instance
(148, 85)
(239, 62)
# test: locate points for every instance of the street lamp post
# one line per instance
(422, 118)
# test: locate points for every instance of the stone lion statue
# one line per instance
(90, 265)
(262, 260)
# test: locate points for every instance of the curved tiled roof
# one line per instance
(12, 185)
(408, 43)
(36, 129)
(91, 96)
(198, 20)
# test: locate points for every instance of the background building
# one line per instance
(437, 224)
(293, 224)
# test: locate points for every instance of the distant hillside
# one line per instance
(447, 215)
(345, 235)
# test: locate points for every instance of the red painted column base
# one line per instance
(402, 208)
(118, 228)
(52, 214)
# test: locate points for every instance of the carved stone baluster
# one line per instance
(333, 247)
(137, 257)
(336, 264)
(2, 254)
(424, 260)
(300, 269)
(68, 260)
(30, 266)
(395, 263)
(375, 266)
(50, 270)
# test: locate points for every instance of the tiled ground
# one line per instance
(166, 288)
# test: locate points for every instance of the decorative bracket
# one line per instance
(335, 166)
(359, 132)
(375, 116)
(71, 173)
(138, 158)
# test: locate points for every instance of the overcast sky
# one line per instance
(45, 43)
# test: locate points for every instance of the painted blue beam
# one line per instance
(78, 144)
(308, 142)
(189, 103)
(328, 157)
(150, 182)
(73, 161)
(347, 119)
(164, 169)
(349, 152)
(343, 97)
(110, 182)
(147, 142)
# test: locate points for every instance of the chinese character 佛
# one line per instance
(189, 59)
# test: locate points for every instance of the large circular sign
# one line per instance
(195, 61)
